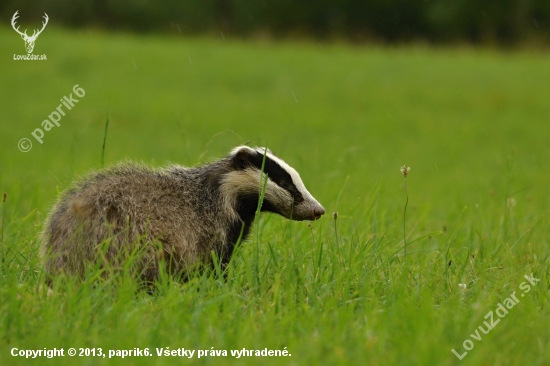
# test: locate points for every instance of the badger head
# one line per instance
(285, 193)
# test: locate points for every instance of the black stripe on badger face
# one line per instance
(247, 157)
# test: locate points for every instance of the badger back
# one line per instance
(285, 193)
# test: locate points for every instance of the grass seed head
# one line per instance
(405, 170)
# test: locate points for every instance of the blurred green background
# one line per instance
(487, 21)
(456, 115)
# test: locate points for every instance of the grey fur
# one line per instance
(174, 215)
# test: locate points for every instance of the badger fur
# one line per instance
(177, 216)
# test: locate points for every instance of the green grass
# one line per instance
(472, 124)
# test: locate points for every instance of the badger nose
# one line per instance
(318, 212)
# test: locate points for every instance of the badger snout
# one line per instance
(318, 212)
(309, 212)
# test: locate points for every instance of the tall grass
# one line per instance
(104, 140)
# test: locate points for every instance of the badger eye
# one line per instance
(285, 185)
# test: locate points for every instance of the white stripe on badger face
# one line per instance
(248, 181)
(243, 181)
(293, 174)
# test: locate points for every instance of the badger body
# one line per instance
(174, 216)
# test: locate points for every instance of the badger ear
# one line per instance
(243, 157)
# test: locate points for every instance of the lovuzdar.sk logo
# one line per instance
(29, 40)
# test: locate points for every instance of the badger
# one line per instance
(175, 217)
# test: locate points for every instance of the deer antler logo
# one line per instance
(29, 41)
